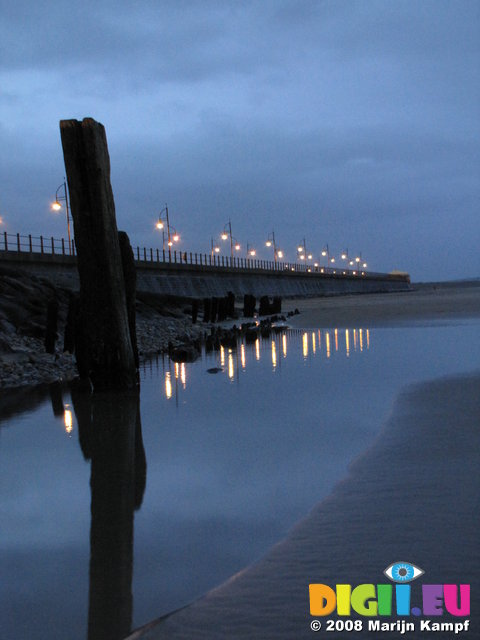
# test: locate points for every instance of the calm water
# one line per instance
(102, 498)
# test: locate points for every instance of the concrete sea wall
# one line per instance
(201, 281)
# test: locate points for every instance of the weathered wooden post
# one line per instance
(107, 354)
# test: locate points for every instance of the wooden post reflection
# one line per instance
(111, 437)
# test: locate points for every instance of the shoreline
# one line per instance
(423, 505)
(24, 363)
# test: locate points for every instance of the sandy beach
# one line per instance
(427, 303)
(412, 496)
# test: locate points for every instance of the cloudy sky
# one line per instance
(349, 122)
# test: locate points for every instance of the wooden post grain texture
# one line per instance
(108, 356)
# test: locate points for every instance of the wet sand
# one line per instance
(425, 304)
(413, 496)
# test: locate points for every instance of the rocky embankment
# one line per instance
(23, 319)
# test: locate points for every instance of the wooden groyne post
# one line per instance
(106, 354)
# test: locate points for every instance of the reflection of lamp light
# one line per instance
(68, 420)
(274, 354)
(168, 385)
(305, 344)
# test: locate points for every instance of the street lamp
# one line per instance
(56, 206)
(302, 251)
(171, 237)
(326, 254)
(214, 248)
(251, 251)
(277, 253)
(234, 244)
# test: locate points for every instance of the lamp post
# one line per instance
(56, 206)
(214, 248)
(171, 238)
(234, 244)
(302, 251)
(250, 251)
(326, 253)
(360, 263)
(277, 253)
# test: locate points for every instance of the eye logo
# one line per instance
(403, 572)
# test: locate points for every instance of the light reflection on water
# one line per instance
(233, 461)
(244, 356)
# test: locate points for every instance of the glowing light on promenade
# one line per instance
(336, 339)
(242, 355)
(305, 344)
(347, 342)
(222, 356)
(355, 339)
(314, 346)
(177, 370)
(230, 365)
(360, 333)
(257, 349)
(368, 338)
(284, 345)
(327, 343)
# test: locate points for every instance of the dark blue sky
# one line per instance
(349, 122)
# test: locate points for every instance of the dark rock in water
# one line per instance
(214, 370)
(184, 353)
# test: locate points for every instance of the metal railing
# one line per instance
(35, 244)
(59, 246)
(207, 260)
